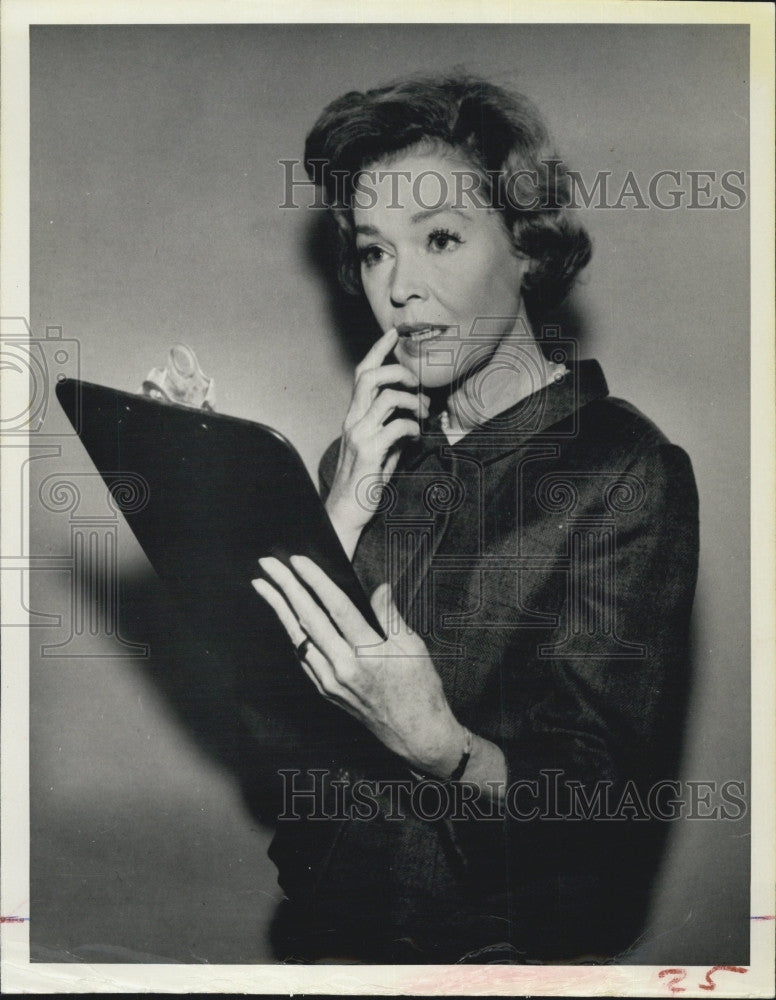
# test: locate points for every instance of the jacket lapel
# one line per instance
(428, 483)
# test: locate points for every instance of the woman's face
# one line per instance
(446, 277)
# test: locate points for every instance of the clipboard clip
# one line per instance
(181, 381)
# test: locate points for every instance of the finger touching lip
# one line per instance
(420, 329)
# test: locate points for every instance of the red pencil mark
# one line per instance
(681, 974)
(769, 917)
(12, 920)
(678, 974)
(711, 985)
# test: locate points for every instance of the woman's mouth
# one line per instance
(416, 333)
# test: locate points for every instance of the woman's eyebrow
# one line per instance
(364, 229)
(431, 212)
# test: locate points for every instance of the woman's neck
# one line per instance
(515, 370)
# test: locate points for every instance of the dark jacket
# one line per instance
(549, 561)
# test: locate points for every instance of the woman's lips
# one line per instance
(414, 334)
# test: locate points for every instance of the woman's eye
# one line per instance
(371, 255)
(443, 239)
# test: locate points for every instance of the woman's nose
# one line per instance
(407, 281)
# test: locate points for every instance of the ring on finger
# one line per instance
(301, 648)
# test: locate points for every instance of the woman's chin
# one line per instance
(432, 374)
(434, 378)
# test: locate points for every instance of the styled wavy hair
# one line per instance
(499, 134)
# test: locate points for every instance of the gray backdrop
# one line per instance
(155, 188)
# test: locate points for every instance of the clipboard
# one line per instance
(206, 496)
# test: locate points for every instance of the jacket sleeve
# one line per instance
(609, 682)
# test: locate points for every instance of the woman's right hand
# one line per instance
(370, 448)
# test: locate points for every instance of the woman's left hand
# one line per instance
(391, 686)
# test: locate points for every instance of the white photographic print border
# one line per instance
(19, 974)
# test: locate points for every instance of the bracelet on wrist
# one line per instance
(460, 768)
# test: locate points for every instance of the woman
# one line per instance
(531, 545)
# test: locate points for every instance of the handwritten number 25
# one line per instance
(681, 974)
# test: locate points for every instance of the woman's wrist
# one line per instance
(439, 760)
(347, 527)
(486, 768)
(471, 759)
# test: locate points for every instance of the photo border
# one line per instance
(18, 975)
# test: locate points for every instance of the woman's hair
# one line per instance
(497, 133)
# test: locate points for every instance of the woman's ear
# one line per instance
(524, 262)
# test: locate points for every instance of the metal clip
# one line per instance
(181, 381)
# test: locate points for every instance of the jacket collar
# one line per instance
(551, 412)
